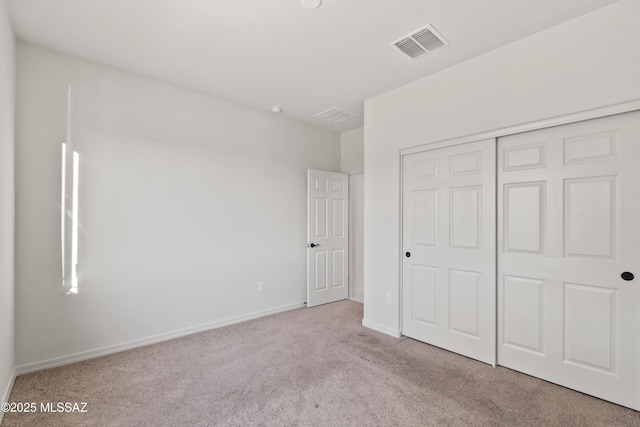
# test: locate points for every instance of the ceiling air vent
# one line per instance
(421, 41)
(334, 115)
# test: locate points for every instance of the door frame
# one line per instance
(580, 116)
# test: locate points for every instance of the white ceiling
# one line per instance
(265, 52)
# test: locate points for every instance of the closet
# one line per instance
(521, 251)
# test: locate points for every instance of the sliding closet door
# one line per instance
(448, 282)
(569, 247)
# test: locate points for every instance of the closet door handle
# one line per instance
(627, 275)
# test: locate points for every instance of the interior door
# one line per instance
(569, 241)
(327, 237)
(449, 247)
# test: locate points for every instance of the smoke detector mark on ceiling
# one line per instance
(419, 42)
(334, 115)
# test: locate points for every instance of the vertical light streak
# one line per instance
(63, 213)
(74, 224)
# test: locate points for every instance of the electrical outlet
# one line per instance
(388, 298)
(261, 286)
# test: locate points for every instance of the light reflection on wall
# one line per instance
(74, 225)
(69, 218)
(69, 221)
(63, 237)
(70, 260)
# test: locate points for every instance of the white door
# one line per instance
(327, 237)
(449, 247)
(569, 228)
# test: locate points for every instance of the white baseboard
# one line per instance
(7, 391)
(396, 333)
(357, 295)
(103, 351)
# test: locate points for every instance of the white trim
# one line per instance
(357, 172)
(103, 351)
(383, 329)
(608, 110)
(7, 391)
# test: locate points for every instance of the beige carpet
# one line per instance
(310, 367)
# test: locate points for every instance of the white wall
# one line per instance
(352, 162)
(7, 90)
(589, 62)
(186, 202)
(352, 151)
(356, 236)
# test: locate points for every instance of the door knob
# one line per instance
(313, 245)
(408, 254)
(627, 276)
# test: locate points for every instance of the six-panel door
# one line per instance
(328, 237)
(448, 273)
(568, 227)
